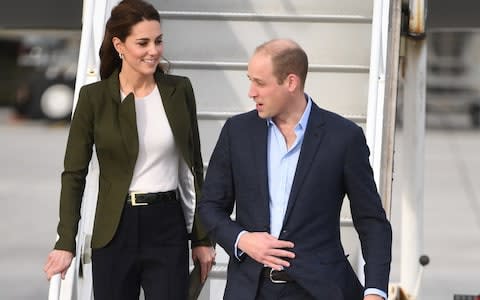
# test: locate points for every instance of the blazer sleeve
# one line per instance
(367, 212)
(77, 158)
(199, 236)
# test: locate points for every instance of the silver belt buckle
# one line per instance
(274, 280)
(133, 200)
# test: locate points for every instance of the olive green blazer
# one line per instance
(102, 120)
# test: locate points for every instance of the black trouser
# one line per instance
(268, 290)
(150, 249)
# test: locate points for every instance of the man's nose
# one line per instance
(252, 92)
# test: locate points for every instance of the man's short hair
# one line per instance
(287, 58)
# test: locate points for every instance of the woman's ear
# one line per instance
(117, 44)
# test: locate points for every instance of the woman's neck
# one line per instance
(140, 86)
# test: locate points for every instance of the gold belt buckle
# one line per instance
(133, 199)
(274, 280)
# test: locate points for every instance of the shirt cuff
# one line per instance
(375, 291)
(238, 252)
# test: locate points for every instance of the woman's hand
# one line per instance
(58, 261)
(205, 255)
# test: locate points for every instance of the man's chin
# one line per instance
(262, 114)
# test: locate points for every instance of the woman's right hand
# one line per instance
(58, 261)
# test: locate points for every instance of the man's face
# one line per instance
(270, 97)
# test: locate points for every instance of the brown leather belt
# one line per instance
(276, 276)
(139, 199)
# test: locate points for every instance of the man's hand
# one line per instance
(373, 297)
(205, 255)
(266, 249)
(58, 261)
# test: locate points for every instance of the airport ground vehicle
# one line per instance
(39, 52)
(40, 79)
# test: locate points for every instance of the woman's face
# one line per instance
(142, 49)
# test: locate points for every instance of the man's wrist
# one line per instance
(375, 291)
(238, 253)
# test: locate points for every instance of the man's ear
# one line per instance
(293, 82)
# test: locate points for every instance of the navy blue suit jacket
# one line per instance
(333, 162)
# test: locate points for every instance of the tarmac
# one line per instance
(31, 156)
(451, 208)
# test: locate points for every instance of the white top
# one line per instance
(157, 164)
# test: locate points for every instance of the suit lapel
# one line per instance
(311, 141)
(259, 148)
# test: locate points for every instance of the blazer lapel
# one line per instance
(175, 109)
(177, 114)
(127, 119)
(172, 109)
(311, 141)
(128, 128)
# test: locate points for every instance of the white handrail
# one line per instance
(199, 15)
(376, 96)
(95, 14)
(54, 290)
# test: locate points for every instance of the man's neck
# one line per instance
(293, 114)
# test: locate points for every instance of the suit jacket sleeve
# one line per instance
(368, 214)
(218, 195)
(77, 158)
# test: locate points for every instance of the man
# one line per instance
(286, 167)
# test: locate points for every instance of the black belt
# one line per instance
(276, 276)
(137, 199)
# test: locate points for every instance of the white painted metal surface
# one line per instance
(376, 96)
(413, 190)
(76, 286)
(414, 106)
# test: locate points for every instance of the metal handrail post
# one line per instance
(413, 146)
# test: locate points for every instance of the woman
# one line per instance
(143, 125)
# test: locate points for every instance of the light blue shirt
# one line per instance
(282, 164)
